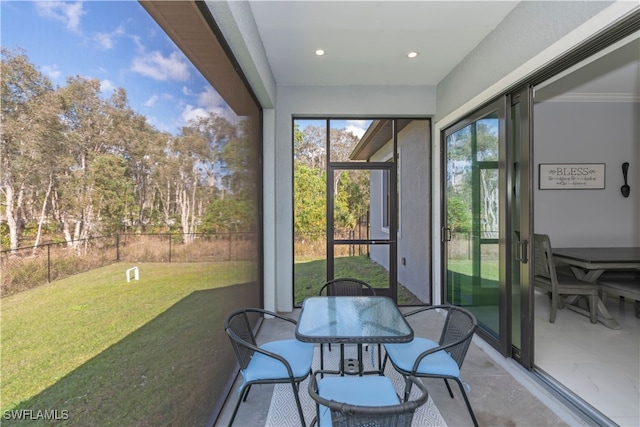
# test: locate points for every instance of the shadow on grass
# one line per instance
(175, 370)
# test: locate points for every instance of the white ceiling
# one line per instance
(366, 42)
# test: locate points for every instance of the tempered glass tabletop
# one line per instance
(365, 319)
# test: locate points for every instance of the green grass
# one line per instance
(464, 290)
(116, 353)
(489, 269)
(309, 277)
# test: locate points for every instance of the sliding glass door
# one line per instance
(519, 199)
(487, 217)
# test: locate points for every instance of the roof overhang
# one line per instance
(379, 133)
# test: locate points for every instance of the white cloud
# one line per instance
(357, 127)
(107, 40)
(106, 86)
(151, 101)
(67, 13)
(162, 68)
(193, 113)
(210, 99)
(52, 71)
(160, 99)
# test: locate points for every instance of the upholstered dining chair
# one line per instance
(342, 287)
(560, 283)
(369, 401)
(423, 357)
(283, 361)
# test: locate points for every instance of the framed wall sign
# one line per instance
(571, 176)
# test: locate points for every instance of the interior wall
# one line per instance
(591, 132)
(349, 101)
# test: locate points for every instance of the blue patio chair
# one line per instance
(369, 401)
(283, 361)
(343, 287)
(422, 357)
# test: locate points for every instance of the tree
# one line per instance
(309, 216)
(91, 126)
(350, 188)
(235, 207)
(114, 193)
(90, 165)
(309, 147)
(143, 149)
(30, 137)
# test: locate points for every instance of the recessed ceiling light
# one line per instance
(320, 52)
(412, 54)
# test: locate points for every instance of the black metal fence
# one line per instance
(28, 267)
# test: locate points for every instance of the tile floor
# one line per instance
(502, 393)
(600, 365)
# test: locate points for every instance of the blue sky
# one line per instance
(118, 43)
(357, 127)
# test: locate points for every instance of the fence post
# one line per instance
(229, 235)
(117, 247)
(170, 247)
(49, 263)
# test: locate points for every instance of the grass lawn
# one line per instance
(464, 290)
(309, 276)
(116, 353)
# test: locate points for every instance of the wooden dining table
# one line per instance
(588, 264)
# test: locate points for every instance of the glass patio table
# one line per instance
(352, 320)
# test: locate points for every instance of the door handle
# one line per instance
(446, 234)
(522, 252)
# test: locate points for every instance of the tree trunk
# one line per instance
(11, 220)
(42, 213)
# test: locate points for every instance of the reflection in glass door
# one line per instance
(474, 212)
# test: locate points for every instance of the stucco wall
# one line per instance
(414, 215)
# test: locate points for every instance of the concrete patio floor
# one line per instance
(502, 393)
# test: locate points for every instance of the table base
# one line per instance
(603, 315)
(352, 366)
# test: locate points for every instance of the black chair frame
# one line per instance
(454, 340)
(240, 332)
(347, 415)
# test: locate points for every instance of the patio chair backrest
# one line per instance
(348, 415)
(240, 333)
(459, 325)
(346, 287)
